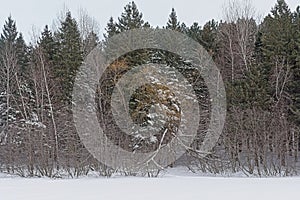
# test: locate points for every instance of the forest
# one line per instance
(258, 57)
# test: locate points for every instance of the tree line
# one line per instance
(259, 62)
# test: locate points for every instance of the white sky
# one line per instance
(38, 13)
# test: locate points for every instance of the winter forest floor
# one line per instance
(173, 185)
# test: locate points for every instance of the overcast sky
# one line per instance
(38, 13)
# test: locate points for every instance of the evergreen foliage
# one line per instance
(260, 64)
(69, 56)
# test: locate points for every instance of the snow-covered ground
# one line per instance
(169, 187)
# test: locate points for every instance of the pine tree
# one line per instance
(277, 46)
(131, 18)
(277, 36)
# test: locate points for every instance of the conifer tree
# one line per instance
(13, 59)
(195, 32)
(173, 22)
(250, 92)
(8, 69)
(14, 91)
(22, 56)
(277, 36)
(10, 33)
(90, 42)
(69, 56)
(209, 36)
(14, 41)
(131, 18)
(48, 44)
(294, 88)
(278, 50)
(111, 28)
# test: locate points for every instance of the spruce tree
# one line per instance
(48, 44)
(13, 87)
(90, 42)
(258, 54)
(10, 33)
(69, 56)
(23, 56)
(173, 22)
(209, 37)
(111, 28)
(195, 32)
(8, 69)
(13, 54)
(67, 61)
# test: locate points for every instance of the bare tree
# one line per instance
(237, 35)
